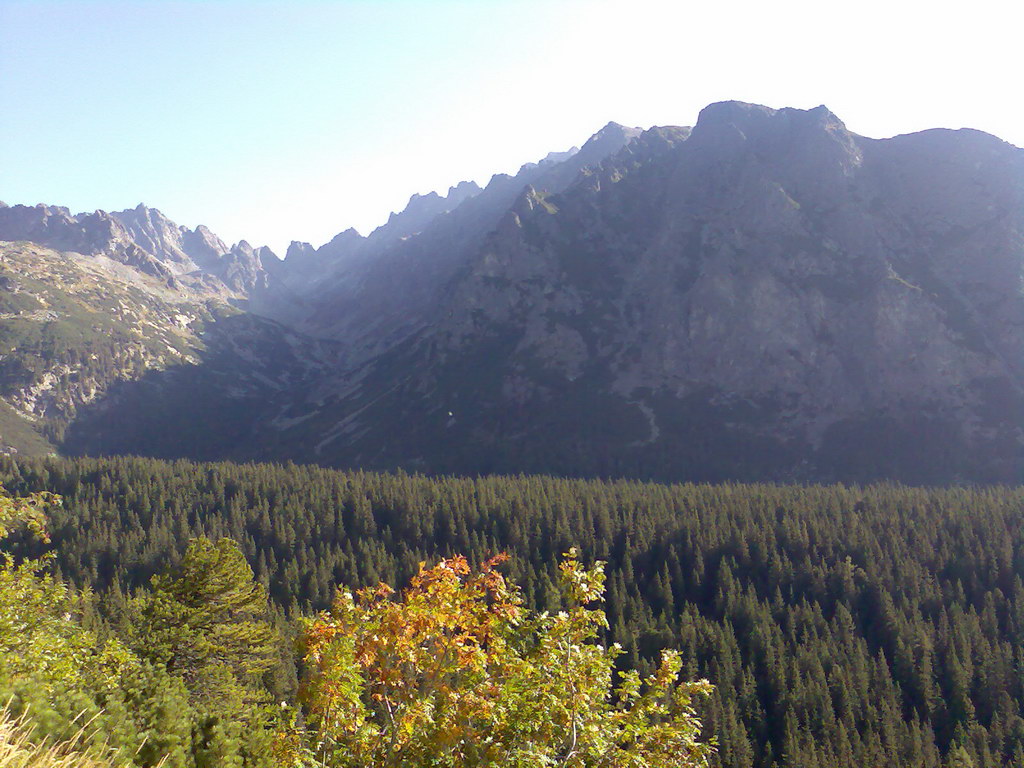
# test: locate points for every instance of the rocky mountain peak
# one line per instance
(615, 130)
(808, 152)
(265, 251)
(298, 250)
(96, 233)
(241, 269)
(461, 191)
(723, 129)
(421, 210)
(203, 246)
(738, 113)
(158, 235)
(825, 115)
(605, 142)
(754, 122)
(553, 158)
(342, 243)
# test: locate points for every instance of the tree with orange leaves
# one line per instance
(454, 672)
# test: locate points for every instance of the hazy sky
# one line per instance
(274, 121)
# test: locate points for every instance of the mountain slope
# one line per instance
(372, 293)
(127, 328)
(71, 324)
(91, 342)
(769, 297)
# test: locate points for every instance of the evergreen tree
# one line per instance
(208, 623)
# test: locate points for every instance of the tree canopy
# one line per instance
(841, 626)
(207, 622)
(456, 673)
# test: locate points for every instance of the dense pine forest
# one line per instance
(840, 626)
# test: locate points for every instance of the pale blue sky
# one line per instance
(278, 121)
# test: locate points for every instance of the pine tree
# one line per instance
(208, 623)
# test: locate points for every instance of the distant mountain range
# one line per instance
(765, 296)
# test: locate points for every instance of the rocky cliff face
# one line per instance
(145, 239)
(161, 237)
(422, 210)
(87, 233)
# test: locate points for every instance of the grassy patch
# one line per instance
(20, 434)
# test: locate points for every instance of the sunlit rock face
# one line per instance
(87, 233)
(145, 239)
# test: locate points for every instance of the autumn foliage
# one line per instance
(455, 672)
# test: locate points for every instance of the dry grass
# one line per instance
(18, 751)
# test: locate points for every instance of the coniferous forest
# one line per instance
(840, 626)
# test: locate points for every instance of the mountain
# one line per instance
(145, 239)
(123, 331)
(90, 303)
(241, 268)
(372, 292)
(96, 233)
(171, 244)
(767, 296)
(422, 210)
